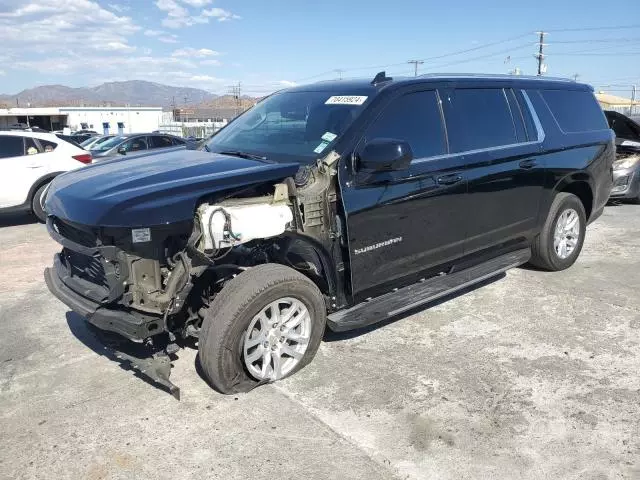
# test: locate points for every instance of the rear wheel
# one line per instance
(36, 204)
(559, 243)
(264, 325)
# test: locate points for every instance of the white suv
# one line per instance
(28, 162)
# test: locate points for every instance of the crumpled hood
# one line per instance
(152, 190)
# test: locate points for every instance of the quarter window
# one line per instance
(478, 118)
(11, 146)
(575, 110)
(414, 118)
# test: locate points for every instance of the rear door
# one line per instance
(22, 164)
(407, 224)
(488, 127)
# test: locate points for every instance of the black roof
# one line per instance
(365, 86)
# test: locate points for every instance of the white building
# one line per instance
(100, 119)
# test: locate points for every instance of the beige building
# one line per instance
(618, 104)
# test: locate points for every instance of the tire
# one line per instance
(36, 208)
(237, 306)
(543, 251)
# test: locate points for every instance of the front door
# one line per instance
(405, 225)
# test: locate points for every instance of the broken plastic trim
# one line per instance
(151, 363)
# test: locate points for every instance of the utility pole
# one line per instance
(575, 77)
(540, 55)
(236, 92)
(339, 71)
(633, 99)
(415, 66)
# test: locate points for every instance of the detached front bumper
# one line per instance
(134, 326)
(626, 183)
(151, 361)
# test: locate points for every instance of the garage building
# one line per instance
(100, 119)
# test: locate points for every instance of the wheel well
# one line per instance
(582, 190)
(34, 188)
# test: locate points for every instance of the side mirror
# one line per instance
(385, 155)
(122, 149)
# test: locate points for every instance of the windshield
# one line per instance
(290, 126)
(108, 144)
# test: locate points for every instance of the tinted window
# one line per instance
(415, 118)
(157, 141)
(574, 110)
(478, 118)
(178, 141)
(47, 145)
(136, 144)
(11, 146)
(30, 146)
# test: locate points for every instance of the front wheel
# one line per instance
(559, 243)
(36, 204)
(264, 325)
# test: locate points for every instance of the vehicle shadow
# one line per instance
(330, 336)
(16, 219)
(130, 356)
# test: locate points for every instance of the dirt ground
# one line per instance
(532, 376)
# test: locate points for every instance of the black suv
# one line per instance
(337, 204)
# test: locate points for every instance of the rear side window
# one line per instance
(11, 146)
(575, 110)
(30, 146)
(478, 118)
(48, 146)
(414, 118)
(178, 141)
(157, 141)
(516, 114)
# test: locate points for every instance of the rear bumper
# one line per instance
(626, 183)
(135, 326)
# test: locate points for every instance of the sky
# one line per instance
(270, 44)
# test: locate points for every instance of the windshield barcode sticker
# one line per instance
(139, 235)
(346, 100)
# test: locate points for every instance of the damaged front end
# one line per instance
(151, 285)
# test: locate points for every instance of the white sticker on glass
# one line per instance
(346, 100)
(321, 147)
(139, 235)
(329, 137)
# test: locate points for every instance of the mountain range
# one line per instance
(132, 92)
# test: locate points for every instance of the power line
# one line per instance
(593, 29)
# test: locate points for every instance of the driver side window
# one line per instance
(136, 144)
(415, 118)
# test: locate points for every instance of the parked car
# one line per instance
(70, 139)
(95, 141)
(129, 143)
(339, 204)
(83, 135)
(626, 168)
(29, 162)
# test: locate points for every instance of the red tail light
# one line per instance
(83, 157)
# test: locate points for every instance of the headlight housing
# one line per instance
(625, 163)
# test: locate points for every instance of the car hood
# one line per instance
(153, 189)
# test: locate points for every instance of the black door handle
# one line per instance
(530, 163)
(449, 179)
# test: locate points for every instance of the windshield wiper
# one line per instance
(206, 148)
(247, 155)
